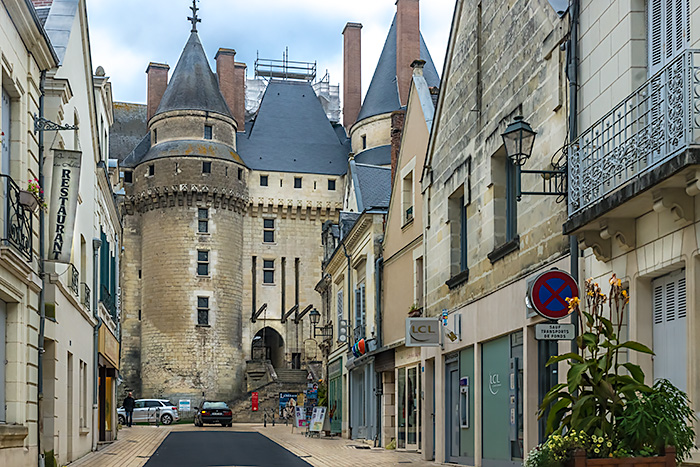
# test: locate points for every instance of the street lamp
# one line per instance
(315, 316)
(519, 139)
(320, 331)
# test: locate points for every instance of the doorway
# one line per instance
(408, 428)
(452, 409)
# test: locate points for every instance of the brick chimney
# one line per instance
(397, 120)
(407, 43)
(225, 64)
(157, 82)
(239, 91)
(352, 79)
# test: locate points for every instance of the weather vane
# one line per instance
(194, 18)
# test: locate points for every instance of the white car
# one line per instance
(148, 410)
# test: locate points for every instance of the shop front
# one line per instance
(335, 395)
(108, 368)
(408, 398)
(363, 406)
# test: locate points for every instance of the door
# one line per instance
(140, 411)
(669, 329)
(409, 407)
(452, 410)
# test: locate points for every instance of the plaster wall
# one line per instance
(377, 130)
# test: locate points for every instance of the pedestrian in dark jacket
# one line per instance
(129, 409)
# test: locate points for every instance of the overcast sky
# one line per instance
(126, 35)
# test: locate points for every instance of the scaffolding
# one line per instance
(285, 68)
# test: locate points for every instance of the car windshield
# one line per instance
(215, 405)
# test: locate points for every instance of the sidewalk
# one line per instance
(137, 444)
(338, 452)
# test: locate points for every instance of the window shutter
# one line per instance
(363, 309)
(358, 308)
(669, 329)
(668, 31)
(339, 309)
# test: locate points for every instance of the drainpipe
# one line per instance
(96, 244)
(572, 73)
(42, 298)
(378, 268)
(350, 293)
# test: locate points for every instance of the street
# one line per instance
(224, 448)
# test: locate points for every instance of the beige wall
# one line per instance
(377, 129)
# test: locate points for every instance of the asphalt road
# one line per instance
(221, 448)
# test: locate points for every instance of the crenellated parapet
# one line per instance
(186, 194)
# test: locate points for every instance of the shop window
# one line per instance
(268, 271)
(268, 230)
(203, 311)
(203, 220)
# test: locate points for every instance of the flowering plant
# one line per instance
(34, 188)
(603, 406)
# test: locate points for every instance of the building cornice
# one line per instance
(33, 35)
(294, 209)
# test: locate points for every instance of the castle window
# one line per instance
(364, 141)
(203, 220)
(331, 185)
(151, 170)
(155, 136)
(202, 263)
(269, 271)
(206, 167)
(268, 230)
(128, 176)
(263, 180)
(240, 174)
(207, 131)
(297, 182)
(203, 311)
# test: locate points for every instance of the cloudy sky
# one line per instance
(126, 35)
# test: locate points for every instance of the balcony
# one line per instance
(73, 280)
(17, 225)
(108, 302)
(85, 295)
(644, 140)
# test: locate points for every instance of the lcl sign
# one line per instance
(422, 332)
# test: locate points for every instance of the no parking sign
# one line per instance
(549, 292)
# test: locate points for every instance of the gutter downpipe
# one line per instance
(572, 73)
(42, 298)
(96, 244)
(347, 258)
(378, 269)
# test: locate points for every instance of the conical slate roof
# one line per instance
(193, 85)
(383, 93)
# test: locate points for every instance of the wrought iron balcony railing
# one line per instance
(359, 332)
(73, 280)
(649, 127)
(85, 295)
(17, 225)
(108, 301)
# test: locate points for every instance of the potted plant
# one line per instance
(33, 196)
(605, 411)
(414, 311)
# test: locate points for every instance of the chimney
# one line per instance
(238, 108)
(397, 120)
(407, 43)
(157, 82)
(225, 63)
(352, 79)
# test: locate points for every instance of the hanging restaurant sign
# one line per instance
(63, 203)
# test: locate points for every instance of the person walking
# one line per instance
(129, 409)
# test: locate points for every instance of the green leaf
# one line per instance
(635, 371)
(608, 327)
(573, 377)
(566, 356)
(637, 346)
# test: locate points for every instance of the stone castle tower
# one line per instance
(185, 203)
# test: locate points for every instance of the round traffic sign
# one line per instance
(549, 292)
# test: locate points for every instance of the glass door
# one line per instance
(408, 434)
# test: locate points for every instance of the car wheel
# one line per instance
(230, 425)
(166, 419)
(122, 420)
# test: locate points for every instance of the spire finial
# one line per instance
(194, 18)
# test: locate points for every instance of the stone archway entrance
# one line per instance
(268, 345)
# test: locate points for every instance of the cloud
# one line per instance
(126, 35)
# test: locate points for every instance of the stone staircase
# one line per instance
(285, 375)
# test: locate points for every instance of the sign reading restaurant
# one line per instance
(63, 204)
(423, 332)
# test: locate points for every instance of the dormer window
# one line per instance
(207, 131)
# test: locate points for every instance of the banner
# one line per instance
(63, 202)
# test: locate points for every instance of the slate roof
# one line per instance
(383, 95)
(193, 85)
(43, 13)
(134, 157)
(379, 155)
(291, 133)
(128, 129)
(346, 220)
(372, 186)
(58, 25)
